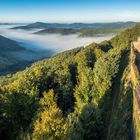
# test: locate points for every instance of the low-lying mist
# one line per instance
(54, 42)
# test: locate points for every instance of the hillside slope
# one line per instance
(14, 57)
(84, 93)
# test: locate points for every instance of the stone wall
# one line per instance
(135, 78)
(137, 45)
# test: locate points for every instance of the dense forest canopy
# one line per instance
(77, 94)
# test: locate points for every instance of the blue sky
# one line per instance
(69, 10)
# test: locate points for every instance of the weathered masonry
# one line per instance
(135, 76)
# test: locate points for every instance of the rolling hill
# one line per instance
(81, 32)
(39, 25)
(84, 29)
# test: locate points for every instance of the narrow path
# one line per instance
(115, 91)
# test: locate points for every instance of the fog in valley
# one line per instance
(49, 43)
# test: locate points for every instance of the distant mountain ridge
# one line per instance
(77, 25)
(15, 24)
(83, 29)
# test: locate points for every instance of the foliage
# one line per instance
(84, 91)
(105, 70)
(50, 124)
(88, 125)
(16, 113)
(77, 94)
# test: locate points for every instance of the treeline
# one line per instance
(71, 95)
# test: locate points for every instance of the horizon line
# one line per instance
(80, 22)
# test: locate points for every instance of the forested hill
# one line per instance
(14, 57)
(84, 94)
(7, 59)
(83, 29)
(9, 45)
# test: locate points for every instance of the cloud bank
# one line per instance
(54, 42)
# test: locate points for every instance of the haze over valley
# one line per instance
(40, 46)
(48, 41)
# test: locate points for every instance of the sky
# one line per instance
(68, 11)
